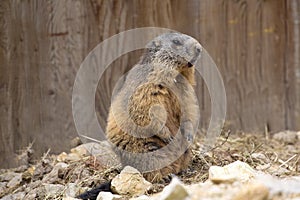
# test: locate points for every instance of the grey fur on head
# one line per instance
(177, 48)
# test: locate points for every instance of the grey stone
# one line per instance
(15, 181)
(2, 187)
(288, 137)
(72, 190)
(53, 189)
(8, 176)
(16, 196)
(52, 177)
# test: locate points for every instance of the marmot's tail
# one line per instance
(93, 193)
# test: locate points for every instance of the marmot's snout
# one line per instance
(195, 55)
(198, 51)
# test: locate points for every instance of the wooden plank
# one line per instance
(292, 65)
(273, 62)
(246, 39)
(62, 48)
(6, 126)
(211, 26)
(25, 61)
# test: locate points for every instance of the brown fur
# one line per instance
(154, 83)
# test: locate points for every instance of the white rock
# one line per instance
(62, 157)
(280, 186)
(15, 181)
(81, 150)
(33, 189)
(277, 171)
(260, 156)
(288, 137)
(73, 157)
(263, 167)
(53, 175)
(210, 191)
(174, 191)
(237, 171)
(33, 194)
(8, 176)
(19, 195)
(291, 148)
(296, 178)
(143, 197)
(53, 189)
(108, 196)
(72, 190)
(76, 154)
(252, 191)
(69, 198)
(130, 182)
(61, 165)
(75, 142)
(2, 186)
(103, 152)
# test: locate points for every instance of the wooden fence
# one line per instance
(255, 44)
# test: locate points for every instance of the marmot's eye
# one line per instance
(177, 42)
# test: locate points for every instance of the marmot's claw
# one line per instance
(168, 178)
(189, 137)
(152, 146)
(186, 129)
(168, 139)
(165, 135)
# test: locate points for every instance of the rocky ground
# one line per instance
(240, 166)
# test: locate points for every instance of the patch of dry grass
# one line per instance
(260, 152)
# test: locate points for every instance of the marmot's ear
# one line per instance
(156, 45)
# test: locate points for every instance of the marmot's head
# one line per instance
(175, 50)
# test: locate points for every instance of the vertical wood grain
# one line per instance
(292, 64)
(255, 44)
(247, 41)
(6, 100)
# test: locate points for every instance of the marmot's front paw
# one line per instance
(168, 178)
(165, 135)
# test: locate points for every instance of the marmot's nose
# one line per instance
(196, 54)
(198, 50)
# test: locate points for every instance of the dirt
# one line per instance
(259, 150)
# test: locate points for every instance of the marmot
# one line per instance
(153, 106)
(155, 102)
